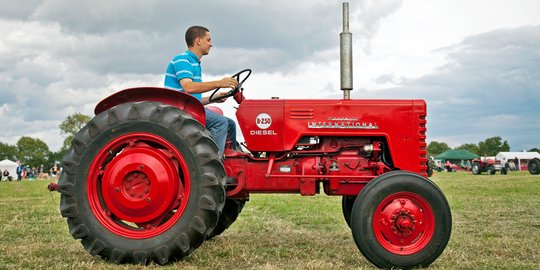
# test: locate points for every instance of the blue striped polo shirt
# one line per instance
(184, 65)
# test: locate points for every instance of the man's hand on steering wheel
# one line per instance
(228, 82)
(220, 97)
(234, 82)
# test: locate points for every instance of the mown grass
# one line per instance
(496, 225)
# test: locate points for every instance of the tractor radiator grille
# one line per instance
(423, 153)
(301, 114)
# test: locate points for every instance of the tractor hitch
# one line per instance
(52, 187)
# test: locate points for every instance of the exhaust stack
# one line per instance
(345, 48)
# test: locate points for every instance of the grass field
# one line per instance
(496, 225)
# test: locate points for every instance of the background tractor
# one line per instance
(143, 180)
(534, 166)
(491, 166)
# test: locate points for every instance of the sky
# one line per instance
(475, 62)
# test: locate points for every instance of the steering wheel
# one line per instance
(232, 92)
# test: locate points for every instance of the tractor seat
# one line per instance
(215, 109)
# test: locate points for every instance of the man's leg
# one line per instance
(217, 125)
(231, 133)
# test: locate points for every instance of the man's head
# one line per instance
(198, 38)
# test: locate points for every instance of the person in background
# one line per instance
(55, 171)
(448, 166)
(19, 171)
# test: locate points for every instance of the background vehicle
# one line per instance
(143, 181)
(490, 166)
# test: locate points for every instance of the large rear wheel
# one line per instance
(347, 203)
(401, 220)
(231, 210)
(142, 182)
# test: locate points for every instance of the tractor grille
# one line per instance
(301, 114)
(422, 130)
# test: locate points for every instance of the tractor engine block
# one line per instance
(342, 164)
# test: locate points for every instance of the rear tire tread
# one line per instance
(212, 177)
(231, 211)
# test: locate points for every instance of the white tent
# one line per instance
(10, 166)
(523, 157)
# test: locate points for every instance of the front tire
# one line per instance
(476, 169)
(491, 170)
(401, 219)
(534, 166)
(142, 182)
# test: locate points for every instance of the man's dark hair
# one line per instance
(195, 32)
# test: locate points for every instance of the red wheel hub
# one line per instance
(138, 185)
(404, 223)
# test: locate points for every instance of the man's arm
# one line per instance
(192, 87)
(217, 98)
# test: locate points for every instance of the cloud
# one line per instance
(141, 34)
(58, 57)
(490, 86)
(21, 10)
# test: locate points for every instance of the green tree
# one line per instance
(8, 151)
(471, 147)
(435, 148)
(71, 126)
(492, 146)
(32, 152)
(54, 157)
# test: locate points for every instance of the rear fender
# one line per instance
(174, 98)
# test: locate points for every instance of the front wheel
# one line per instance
(491, 170)
(142, 182)
(401, 220)
(534, 166)
(476, 169)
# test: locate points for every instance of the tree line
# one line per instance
(488, 147)
(34, 152)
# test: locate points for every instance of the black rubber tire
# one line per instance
(347, 203)
(429, 171)
(534, 166)
(476, 168)
(375, 192)
(491, 170)
(231, 211)
(504, 171)
(206, 172)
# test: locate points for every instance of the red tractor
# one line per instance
(143, 180)
(491, 166)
